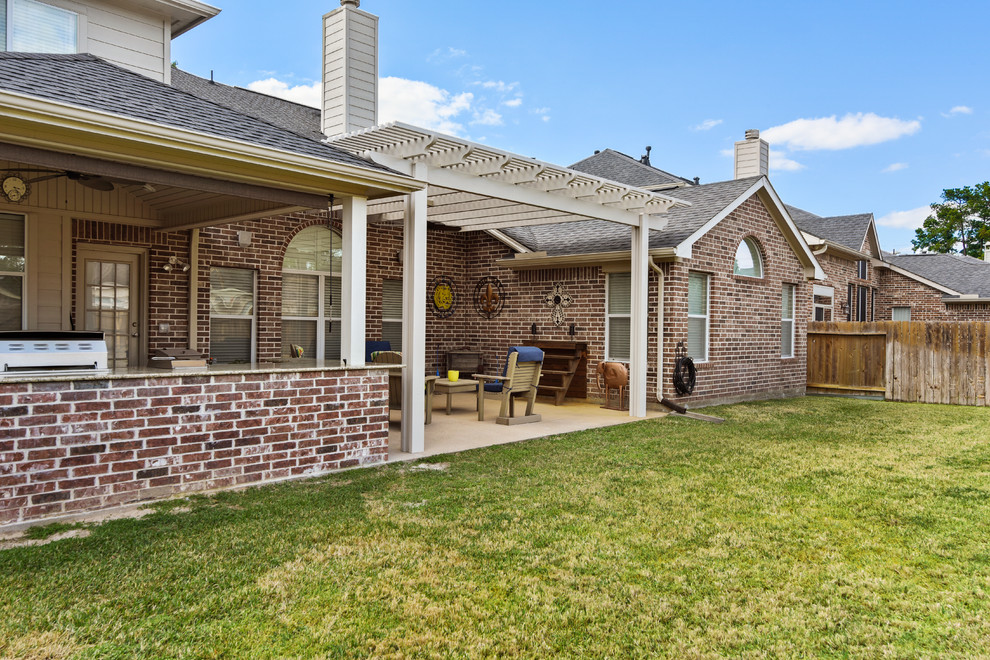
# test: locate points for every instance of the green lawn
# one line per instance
(807, 527)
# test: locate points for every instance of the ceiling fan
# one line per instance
(91, 181)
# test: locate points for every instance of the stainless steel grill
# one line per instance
(28, 352)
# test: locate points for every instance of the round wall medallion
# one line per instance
(444, 297)
(489, 297)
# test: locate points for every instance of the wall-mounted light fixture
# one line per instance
(174, 263)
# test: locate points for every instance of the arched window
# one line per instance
(748, 260)
(311, 293)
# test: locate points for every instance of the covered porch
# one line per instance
(474, 188)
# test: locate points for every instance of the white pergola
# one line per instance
(475, 187)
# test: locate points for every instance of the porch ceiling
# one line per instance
(476, 187)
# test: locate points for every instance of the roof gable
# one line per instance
(617, 166)
(963, 274)
(856, 232)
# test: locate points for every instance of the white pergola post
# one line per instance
(414, 318)
(638, 317)
(354, 285)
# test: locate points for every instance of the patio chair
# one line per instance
(521, 377)
(372, 346)
(395, 382)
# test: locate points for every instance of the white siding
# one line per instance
(350, 71)
(44, 271)
(128, 36)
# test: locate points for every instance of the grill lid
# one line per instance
(25, 350)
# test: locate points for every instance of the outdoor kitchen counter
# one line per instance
(213, 370)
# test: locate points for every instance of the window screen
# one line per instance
(618, 315)
(698, 316)
(232, 315)
(311, 294)
(39, 28)
(900, 314)
(392, 313)
(787, 321)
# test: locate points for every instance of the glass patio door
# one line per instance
(109, 301)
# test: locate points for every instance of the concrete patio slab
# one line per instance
(461, 429)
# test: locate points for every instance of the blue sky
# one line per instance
(869, 106)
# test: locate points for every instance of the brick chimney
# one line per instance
(752, 156)
(350, 69)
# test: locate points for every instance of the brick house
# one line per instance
(848, 249)
(168, 218)
(933, 287)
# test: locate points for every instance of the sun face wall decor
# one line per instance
(444, 296)
(558, 300)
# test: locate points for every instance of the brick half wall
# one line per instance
(73, 446)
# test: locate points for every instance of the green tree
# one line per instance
(959, 223)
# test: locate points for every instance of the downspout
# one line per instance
(193, 286)
(660, 319)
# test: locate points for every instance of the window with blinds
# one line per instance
(900, 314)
(12, 265)
(697, 347)
(618, 308)
(34, 27)
(232, 318)
(787, 321)
(311, 287)
(392, 313)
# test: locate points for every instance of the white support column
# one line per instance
(414, 318)
(639, 313)
(354, 284)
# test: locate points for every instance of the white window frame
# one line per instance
(81, 45)
(21, 274)
(322, 314)
(707, 315)
(609, 316)
(785, 320)
(754, 249)
(254, 309)
(823, 292)
(392, 319)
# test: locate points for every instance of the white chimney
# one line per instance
(752, 156)
(350, 69)
(986, 252)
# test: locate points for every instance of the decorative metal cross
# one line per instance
(557, 300)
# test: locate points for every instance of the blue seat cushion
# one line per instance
(375, 346)
(494, 387)
(526, 354)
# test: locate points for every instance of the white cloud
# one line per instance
(895, 167)
(304, 94)
(513, 103)
(487, 118)
(707, 125)
(958, 110)
(421, 104)
(498, 85)
(905, 219)
(542, 113)
(780, 162)
(853, 130)
(448, 53)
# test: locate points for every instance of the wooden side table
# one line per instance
(444, 386)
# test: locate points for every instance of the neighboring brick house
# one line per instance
(933, 287)
(848, 249)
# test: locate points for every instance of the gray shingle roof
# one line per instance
(964, 274)
(294, 117)
(595, 236)
(847, 230)
(617, 166)
(89, 82)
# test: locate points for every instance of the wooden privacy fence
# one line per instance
(931, 362)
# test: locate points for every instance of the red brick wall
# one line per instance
(926, 303)
(842, 272)
(67, 447)
(745, 314)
